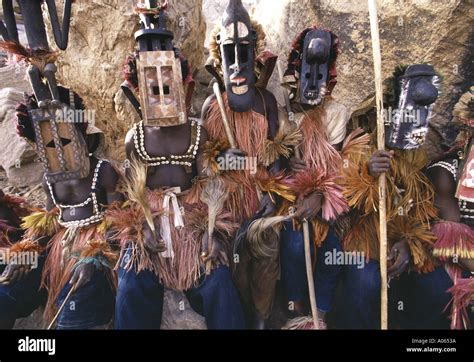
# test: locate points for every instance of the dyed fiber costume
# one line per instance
(144, 273)
(322, 123)
(162, 228)
(65, 247)
(12, 210)
(237, 55)
(455, 233)
(70, 244)
(417, 297)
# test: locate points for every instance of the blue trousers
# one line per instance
(416, 301)
(21, 299)
(139, 302)
(89, 307)
(293, 268)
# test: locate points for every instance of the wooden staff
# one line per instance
(71, 292)
(307, 247)
(225, 120)
(309, 275)
(374, 28)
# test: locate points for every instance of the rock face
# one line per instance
(101, 36)
(178, 314)
(17, 157)
(438, 32)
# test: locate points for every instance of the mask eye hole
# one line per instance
(308, 75)
(244, 53)
(230, 51)
(64, 142)
(156, 90)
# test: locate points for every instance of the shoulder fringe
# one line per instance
(211, 151)
(360, 188)
(355, 146)
(453, 240)
(26, 246)
(41, 223)
(281, 146)
(275, 184)
(418, 196)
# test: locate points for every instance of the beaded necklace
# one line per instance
(98, 216)
(185, 159)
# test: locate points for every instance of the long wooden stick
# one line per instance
(374, 27)
(225, 120)
(71, 292)
(309, 275)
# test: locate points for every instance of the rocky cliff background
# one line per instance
(436, 31)
(439, 32)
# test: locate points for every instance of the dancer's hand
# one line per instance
(82, 275)
(267, 207)
(401, 254)
(217, 255)
(297, 165)
(309, 207)
(152, 243)
(14, 273)
(380, 163)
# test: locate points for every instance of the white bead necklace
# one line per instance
(189, 156)
(98, 216)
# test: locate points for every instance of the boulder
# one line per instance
(17, 157)
(178, 314)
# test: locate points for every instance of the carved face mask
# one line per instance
(60, 146)
(314, 75)
(416, 91)
(160, 80)
(237, 46)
